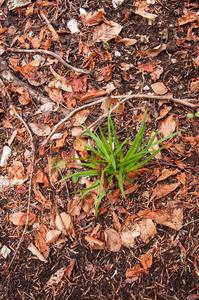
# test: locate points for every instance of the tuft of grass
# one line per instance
(109, 157)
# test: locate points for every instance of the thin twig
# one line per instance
(70, 115)
(30, 184)
(190, 222)
(52, 54)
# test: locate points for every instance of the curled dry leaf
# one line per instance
(111, 103)
(167, 173)
(155, 75)
(113, 240)
(147, 230)
(128, 236)
(19, 218)
(147, 259)
(164, 112)
(40, 242)
(40, 129)
(164, 189)
(55, 95)
(80, 117)
(128, 42)
(41, 177)
(156, 147)
(188, 17)
(140, 7)
(66, 219)
(93, 18)
(105, 33)
(173, 220)
(155, 51)
(39, 196)
(52, 236)
(95, 243)
(159, 88)
(59, 223)
(56, 277)
(116, 221)
(136, 271)
(36, 252)
(36, 78)
(167, 126)
(74, 206)
(60, 82)
(93, 94)
(70, 267)
(18, 170)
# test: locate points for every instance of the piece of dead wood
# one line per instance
(52, 54)
(7, 74)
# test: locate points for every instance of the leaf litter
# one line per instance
(135, 236)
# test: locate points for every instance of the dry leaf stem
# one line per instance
(52, 54)
(30, 183)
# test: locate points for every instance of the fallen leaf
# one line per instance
(19, 218)
(41, 177)
(155, 51)
(164, 112)
(147, 259)
(129, 234)
(52, 236)
(40, 129)
(95, 243)
(140, 10)
(104, 32)
(156, 147)
(36, 252)
(60, 82)
(167, 173)
(80, 117)
(39, 196)
(164, 189)
(93, 94)
(188, 17)
(66, 219)
(182, 178)
(159, 88)
(74, 206)
(93, 18)
(173, 220)
(194, 86)
(111, 103)
(147, 230)
(113, 240)
(18, 170)
(70, 267)
(155, 75)
(55, 95)
(136, 271)
(40, 242)
(116, 221)
(128, 42)
(167, 126)
(36, 78)
(147, 68)
(56, 277)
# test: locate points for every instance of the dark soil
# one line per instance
(100, 274)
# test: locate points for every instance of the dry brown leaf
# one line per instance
(2, 30)
(194, 86)
(52, 236)
(18, 170)
(70, 267)
(95, 243)
(155, 51)
(36, 252)
(36, 78)
(39, 197)
(93, 18)
(116, 221)
(156, 147)
(147, 68)
(164, 189)
(80, 117)
(147, 230)
(129, 234)
(188, 17)
(164, 112)
(167, 173)
(167, 126)
(140, 10)
(56, 277)
(105, 33)
(147, 259)
(159, 88)
(40, 129)
(147, 213)
(66, 219)
(93, 94)
(113, 240)
(60, 82)
(128, 42)
(155, 75)
(173, 220)
(19, 218)
(41, 177)
(182, 178)
(40, 242)
(55, 95)
(136, 271)
(59, 223)
(111, 103)
(74, 206)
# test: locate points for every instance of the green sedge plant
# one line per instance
(113, 157)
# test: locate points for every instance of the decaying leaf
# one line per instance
(136, 271)
(18, 170)
(113, 240)
(188, 17)
(40, 129)
(80, 117)
(147, 230)
(167, 173)
(129, 234)
(116, 221)
(74, 206)
(56, 277)
(40, 197)
(147, 259)
(66, 219)
(164, 112)
(174, 220)
(40, 242)
(105, 33)
(70, 267)
(155, 51)
(93, 18)
(36, 252)
(95, 243)
(140, 10)
(19, 218)
(93, 94)
(159, 88)
(164, 189)
(167, 126)
(52, 236)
